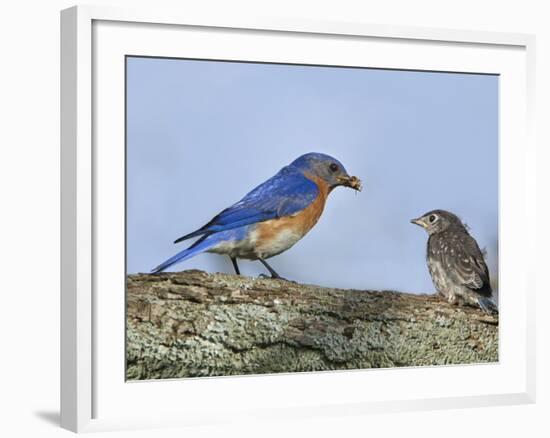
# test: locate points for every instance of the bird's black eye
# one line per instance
(432, 218)
(333, 167)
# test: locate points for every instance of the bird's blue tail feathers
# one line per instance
(488, 305)
(199, 246)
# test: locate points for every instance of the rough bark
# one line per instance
(192, 324)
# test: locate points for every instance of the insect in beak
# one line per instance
(351, 182)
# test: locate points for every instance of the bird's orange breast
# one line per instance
(277, 235)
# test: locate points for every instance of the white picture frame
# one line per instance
(92, 388)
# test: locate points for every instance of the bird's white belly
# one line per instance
(280, 241)
(254, 246)
(242, 249)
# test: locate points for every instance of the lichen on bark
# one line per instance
(192, 324)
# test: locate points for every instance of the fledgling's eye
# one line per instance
(432, 218)
(333, 167)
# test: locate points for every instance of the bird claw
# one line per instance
(276, 277)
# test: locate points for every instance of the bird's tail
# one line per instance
(201, 245)
(488, 305)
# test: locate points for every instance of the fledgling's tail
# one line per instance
(201, 245)
(488, 305)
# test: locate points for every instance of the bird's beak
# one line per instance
(351, 182)
(419, 222)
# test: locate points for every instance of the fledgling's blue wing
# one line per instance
(284, 194)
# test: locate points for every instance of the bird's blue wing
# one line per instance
(285, 194)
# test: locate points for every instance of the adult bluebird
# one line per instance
(272, 217)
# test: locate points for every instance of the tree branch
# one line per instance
(197, 324)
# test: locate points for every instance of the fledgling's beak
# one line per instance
(350, 181)
(419, 222)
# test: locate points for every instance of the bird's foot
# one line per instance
(453, 300)
(276, 277)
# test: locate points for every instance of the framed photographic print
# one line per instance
(283, 217)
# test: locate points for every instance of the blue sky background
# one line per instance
(201, 134)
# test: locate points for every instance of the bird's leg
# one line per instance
(234, 261)
(272, 271)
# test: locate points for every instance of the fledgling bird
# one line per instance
(455, 262)
(272, 217)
